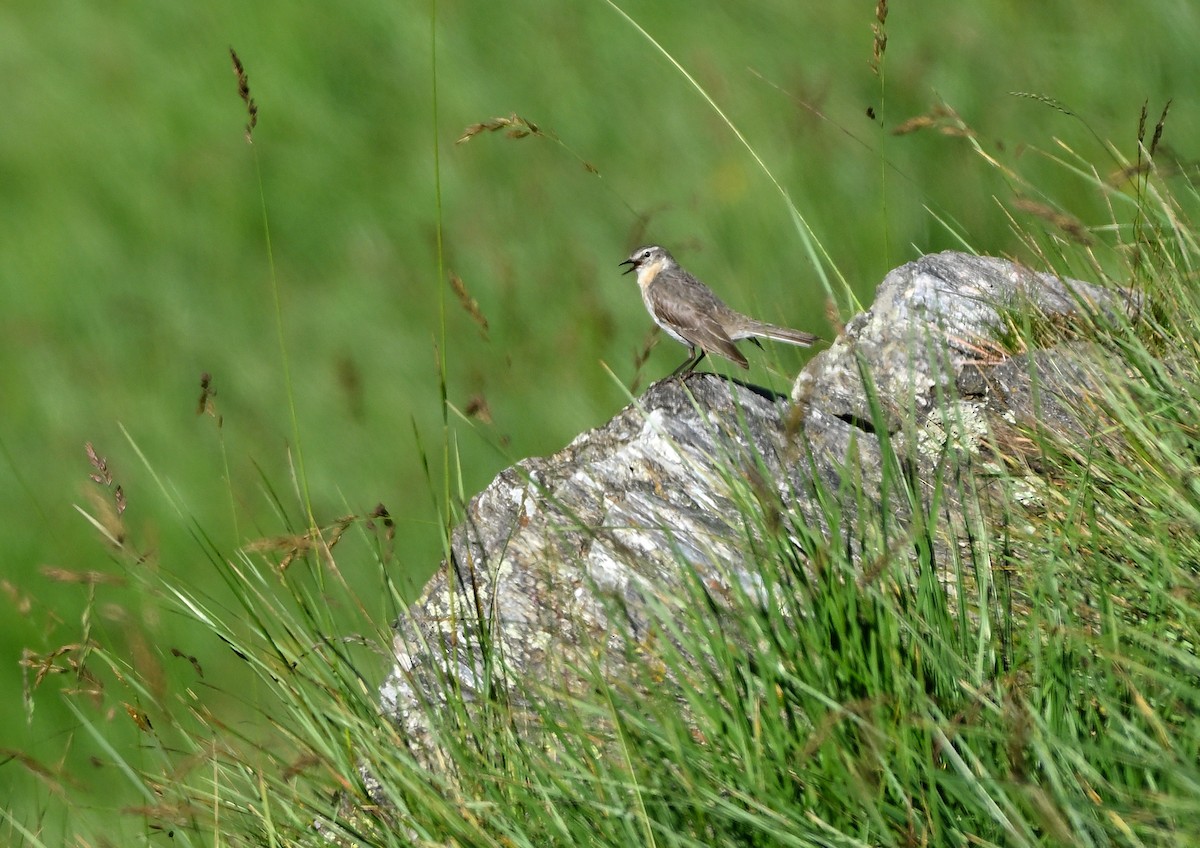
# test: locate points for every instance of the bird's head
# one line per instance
(647, 256)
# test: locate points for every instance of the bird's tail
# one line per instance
(780, 334)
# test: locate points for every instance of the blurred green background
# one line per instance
(133, 254)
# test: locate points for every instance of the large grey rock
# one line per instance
(556, 546)
(548, 547)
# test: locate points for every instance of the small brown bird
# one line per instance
(693, 315)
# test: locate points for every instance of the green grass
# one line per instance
(135, 261)
(1048, 698)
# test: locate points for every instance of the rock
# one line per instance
(945, 380)
(610, 514)
(555, 546)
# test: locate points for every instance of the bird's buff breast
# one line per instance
(647, 273)
(646, 276)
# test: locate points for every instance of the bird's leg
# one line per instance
(689, 364)
(691, 355)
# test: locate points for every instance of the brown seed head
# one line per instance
(243, 81)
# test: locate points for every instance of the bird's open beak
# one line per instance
(628, 262)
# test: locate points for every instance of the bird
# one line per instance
(692, 314)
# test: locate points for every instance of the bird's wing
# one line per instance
(698, 327)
